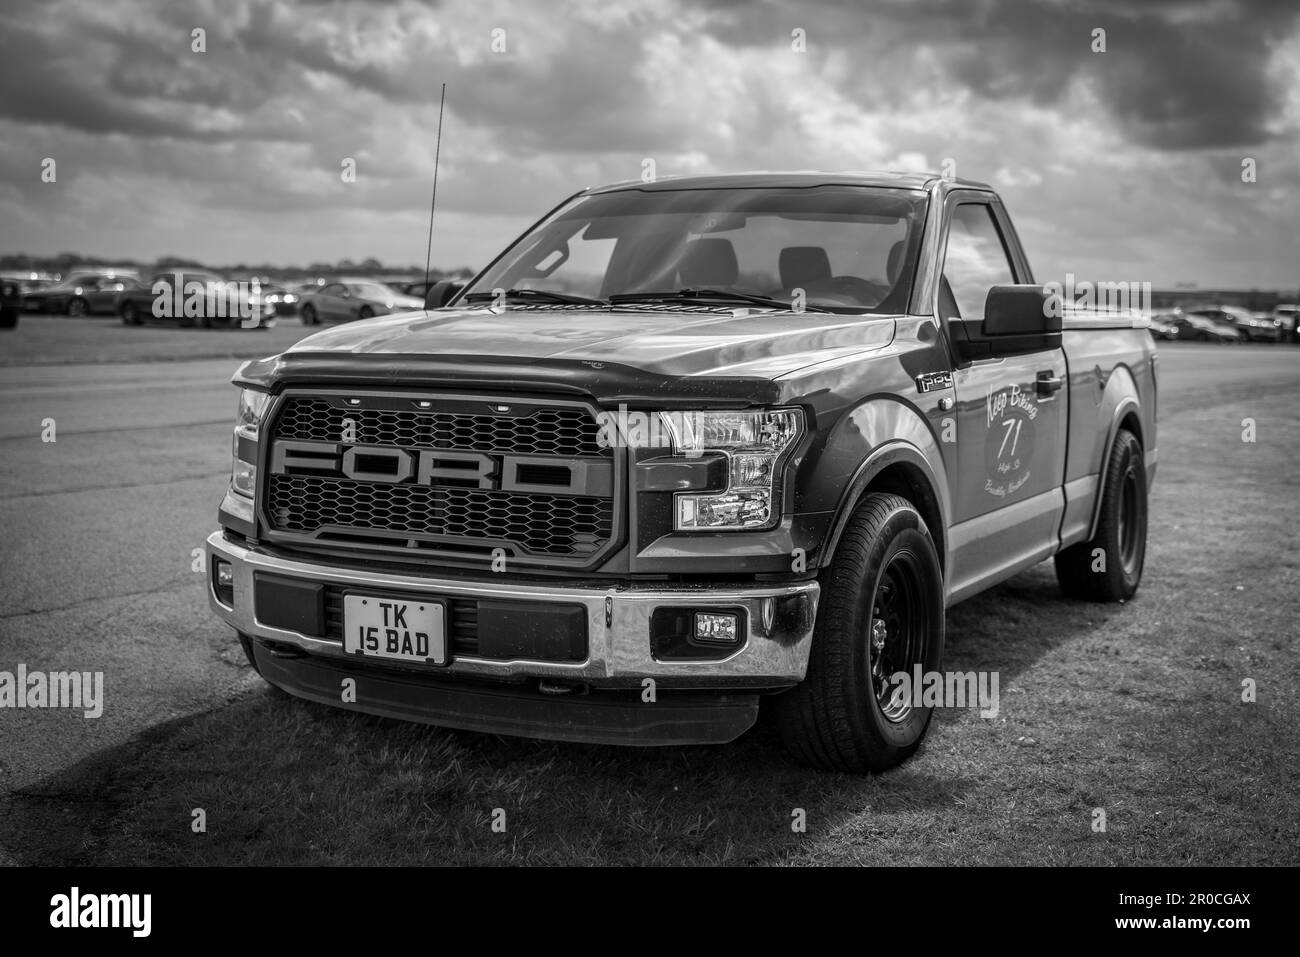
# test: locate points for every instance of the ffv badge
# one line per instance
(930, 381)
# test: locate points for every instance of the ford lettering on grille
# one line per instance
(510, 473)
(440, 477)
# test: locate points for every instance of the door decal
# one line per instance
(1009, 442)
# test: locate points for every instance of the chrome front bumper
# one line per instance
(618, 622)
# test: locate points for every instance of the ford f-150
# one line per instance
(683, 447)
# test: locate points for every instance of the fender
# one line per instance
(1120, 398)
(874, 437)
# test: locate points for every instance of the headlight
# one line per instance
(755, 444)
(248, 420)
(251, 406)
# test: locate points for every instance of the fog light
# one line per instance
(225, 574)
(724, 629)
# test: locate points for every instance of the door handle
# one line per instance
(1047, 383)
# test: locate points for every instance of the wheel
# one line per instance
(130, 314)
(882, 612)
(1108, 567)
(308, 315)
(365, 313)
(78, 306)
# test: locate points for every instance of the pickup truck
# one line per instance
(684, 447)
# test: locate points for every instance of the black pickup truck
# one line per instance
(682, 448)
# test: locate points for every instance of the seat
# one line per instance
(894, 264)
(709, 264)
(803, 266)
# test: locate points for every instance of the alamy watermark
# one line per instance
(1107, 297)
(82, 690)
(181, 298)
(952, 689)
(74, 910)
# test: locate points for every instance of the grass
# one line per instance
(1135, 709)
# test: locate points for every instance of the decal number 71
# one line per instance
(1012, 435)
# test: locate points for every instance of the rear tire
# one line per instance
(78, 307)
(130, 314)
(1108, 567)
(882, 611)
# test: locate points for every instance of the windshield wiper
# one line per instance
(691, 294)
(542, 295)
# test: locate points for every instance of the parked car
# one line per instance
(1250, 327)
(1201, 329)
(1288, 317)
(196, 297)
(283, 299)
(1163, 325)
(54, 298)
(102, 296)
(418, 289)
(346, 299)
(755, 453)
(26, 281)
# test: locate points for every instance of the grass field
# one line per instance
(1133, 709)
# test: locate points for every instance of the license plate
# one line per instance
(395, 628)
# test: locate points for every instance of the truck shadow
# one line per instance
(285, 781)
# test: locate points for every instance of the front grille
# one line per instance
(547, 431)
(539, 524)
(544, 444)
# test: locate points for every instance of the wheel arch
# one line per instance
(1121, 409)
(901, 469)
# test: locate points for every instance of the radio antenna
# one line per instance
(437, 149)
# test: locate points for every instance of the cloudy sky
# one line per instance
(1123, 164)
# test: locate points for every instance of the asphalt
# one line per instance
(99, 528)
(97, 568)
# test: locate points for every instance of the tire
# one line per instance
(130, 314)
(885, 584)
(308, 315)
(366, 313)
(1120, 543)
(78, 307)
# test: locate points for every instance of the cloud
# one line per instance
(236, 152)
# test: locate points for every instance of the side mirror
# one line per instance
(1017, 319)
(441, 293)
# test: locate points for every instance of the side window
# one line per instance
(976, 262)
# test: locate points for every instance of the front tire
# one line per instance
(1108, 567)
(130, 314)
(78, 307)
(882, 612)
(308, 315)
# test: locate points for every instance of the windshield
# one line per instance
(839, 248)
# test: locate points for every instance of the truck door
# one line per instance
(1011, 417)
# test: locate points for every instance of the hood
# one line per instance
(740, 342)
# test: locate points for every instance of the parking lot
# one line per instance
(1136, 710)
